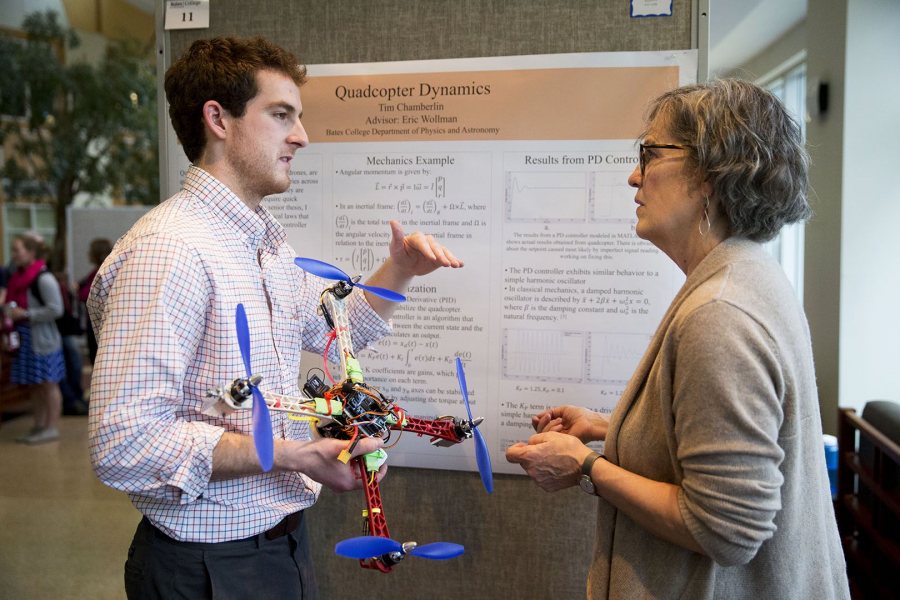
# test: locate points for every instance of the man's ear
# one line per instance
(215, 117)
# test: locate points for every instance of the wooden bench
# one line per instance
(868, 498)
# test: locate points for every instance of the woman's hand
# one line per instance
(553, 460)
(583, 423)
(17, 313)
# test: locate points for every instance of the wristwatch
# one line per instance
(586, 483)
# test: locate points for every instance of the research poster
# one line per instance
(519, 165)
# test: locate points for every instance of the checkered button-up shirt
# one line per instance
(163, 306)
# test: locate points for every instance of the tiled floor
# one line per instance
(62, 533)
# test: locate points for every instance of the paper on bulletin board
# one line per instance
(651, 8)
(520, 166)
(187, 14)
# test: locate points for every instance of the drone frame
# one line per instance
(443, 431)
(327, 406)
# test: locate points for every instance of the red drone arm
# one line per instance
(377, 523)
(444, 429)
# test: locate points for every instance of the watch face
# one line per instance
(587, 485)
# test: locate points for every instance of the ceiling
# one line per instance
(741, 29)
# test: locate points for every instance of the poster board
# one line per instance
(519, 165)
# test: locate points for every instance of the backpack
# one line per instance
(68, 323)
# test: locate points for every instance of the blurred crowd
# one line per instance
(46, 333)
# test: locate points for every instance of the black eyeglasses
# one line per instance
(645, 157)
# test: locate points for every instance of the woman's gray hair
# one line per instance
(747, 147)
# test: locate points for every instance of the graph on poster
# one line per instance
(529, 193)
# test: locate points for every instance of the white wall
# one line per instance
(851, 274)
(870, 220)
(87, 223)
(825, 40)
(782, 52)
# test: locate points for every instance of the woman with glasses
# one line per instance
(713, 483)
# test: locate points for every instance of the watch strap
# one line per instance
(588, 463)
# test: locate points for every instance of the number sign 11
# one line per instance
(187, 14)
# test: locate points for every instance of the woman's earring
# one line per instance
(705, 225)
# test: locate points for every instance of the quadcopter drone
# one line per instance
(349, 409)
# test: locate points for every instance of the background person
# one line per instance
(4, 278)
(69, 326)
(714, 483)
(163, 307)
(39, 362)
(97, 253)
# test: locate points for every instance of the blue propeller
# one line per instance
(371, 546)
(482, 456)
(262, 423)
(326, 271)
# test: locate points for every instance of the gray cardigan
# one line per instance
(724, 405)
(45, 337)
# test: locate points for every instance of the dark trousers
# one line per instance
(91, 341)
(159, 567)
(70, 386)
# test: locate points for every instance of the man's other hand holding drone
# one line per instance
(316, 459)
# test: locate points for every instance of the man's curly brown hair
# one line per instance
(222, 69)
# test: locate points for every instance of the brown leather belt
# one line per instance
(284, 526)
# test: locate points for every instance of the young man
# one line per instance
(163, 307)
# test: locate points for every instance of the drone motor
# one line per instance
(242, 388)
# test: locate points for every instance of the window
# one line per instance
(21, 218)
(790, 88)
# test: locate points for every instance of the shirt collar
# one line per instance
(259, 228)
